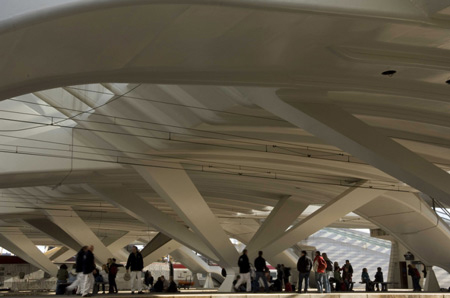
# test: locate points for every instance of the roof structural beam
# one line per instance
(161, 251)
(55, 250)
(343, 130)
(286, 211)
(142, 210)
(191, 207)
(63, 256)
(159, 240)
(351, 199)
(16, 242)
(117, 247)
(68, 220)
(48, 227)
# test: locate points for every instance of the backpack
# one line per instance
(329, 265)
(417, 273)
(113, 269)
(288, 287)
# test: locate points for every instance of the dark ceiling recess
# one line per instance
(448, 82)
(390, 72)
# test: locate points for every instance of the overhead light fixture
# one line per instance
(389, 73)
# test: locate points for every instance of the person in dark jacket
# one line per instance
(88, 268)
(172, 286)
(415, 276)
(62, 274)
(135, 263)
(380, 279)
(112, 274)
(159, 286)
(148, 279)
(260, 266)
(244, 272)
(304, 266)
(79, 271)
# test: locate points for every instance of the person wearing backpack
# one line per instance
(320, 266)
(415, 276)
(304, 266)
(328, 271)
(112, 274)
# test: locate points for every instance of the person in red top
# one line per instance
(320, 265)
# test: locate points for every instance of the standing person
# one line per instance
(280, 278)
(415, 276)
(347, 278)
(379, 279)
(328, 271)
(88, 268)
(244, 272)
(136, 264)
(112, 274)
(260, 267)
(337, 277)
(347, 275)
(304, 266)
(320, 266)
(79, 271)
(286, 275)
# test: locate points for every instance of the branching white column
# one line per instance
(340, 128)
(18, 243)
(140, 209)
(178, 190)
(117, 246)
(70, 222)
(63, 257)
(349, 200)
(161, 251)
(286, 211)
(48, 227)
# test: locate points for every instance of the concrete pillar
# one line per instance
(351, 199)
(339, 128)
(72, 224)
(18, 243)
(394, 269)
(286, 211)
(190, 206)
(140, 209)
(431, 282)
(48, 227)
(209, 284)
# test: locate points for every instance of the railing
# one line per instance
(440, 210)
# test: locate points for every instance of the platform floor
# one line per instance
(390, 294)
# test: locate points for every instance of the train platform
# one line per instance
(356, 294)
